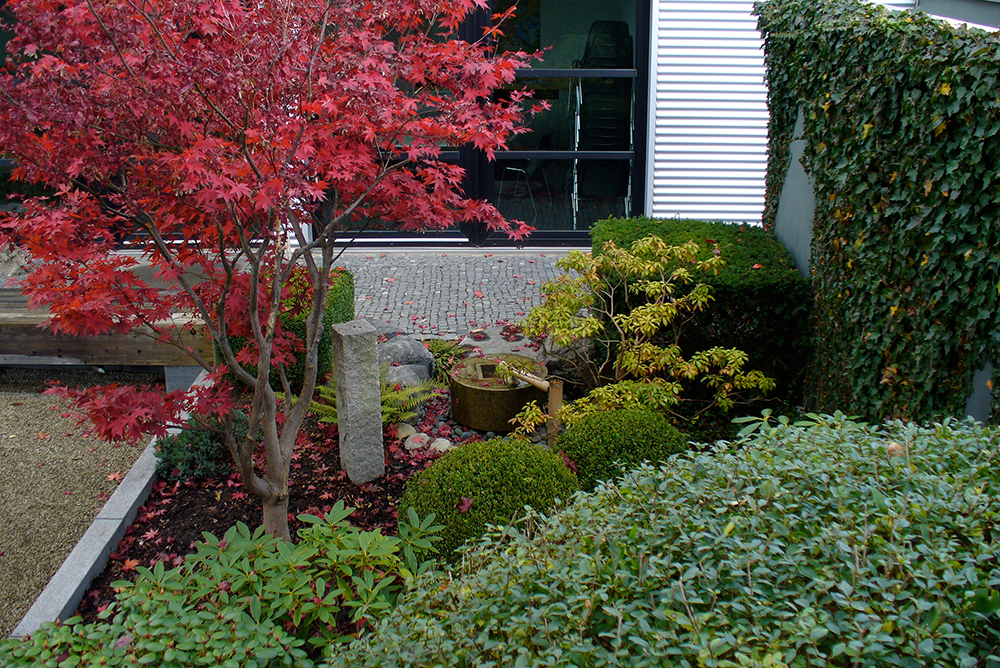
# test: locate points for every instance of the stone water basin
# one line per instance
(481, 400)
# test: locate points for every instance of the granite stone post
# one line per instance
(359, 401)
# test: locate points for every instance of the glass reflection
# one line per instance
(541, 192)
(561, 28)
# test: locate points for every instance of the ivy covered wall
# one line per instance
(901, 123)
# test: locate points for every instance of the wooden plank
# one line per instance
(12, 300)
(127, 349)
(21, 334)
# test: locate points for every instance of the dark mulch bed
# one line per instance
(171, 523)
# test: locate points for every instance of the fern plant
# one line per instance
(399, 403)
(446, 355)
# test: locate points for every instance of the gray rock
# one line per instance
(383, 330)
(359, 401)
(441, 445)
(407, 375)
(404, 431)
(417, 441)
(405, 350)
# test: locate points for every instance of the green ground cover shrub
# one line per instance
(601, 444)
(339, 309)
(197, 453)
(484, 483)
(760, 303)
(806, 546)
(900, 121)
(247, 600)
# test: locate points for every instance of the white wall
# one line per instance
(708, 111)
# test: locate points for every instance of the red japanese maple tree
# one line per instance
(236, 141)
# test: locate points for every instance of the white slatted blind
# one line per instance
(708, 115)
(895, 4)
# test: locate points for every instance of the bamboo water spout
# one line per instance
(554, 388)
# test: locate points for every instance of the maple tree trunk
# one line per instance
(275, 520)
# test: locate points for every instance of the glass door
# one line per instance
(578, 163)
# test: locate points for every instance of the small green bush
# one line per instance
(761, 304)
(808, 546)
(487, 483)
(248, 600)
(197, 453)
(601, 444)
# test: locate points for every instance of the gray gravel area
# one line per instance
(53, 480)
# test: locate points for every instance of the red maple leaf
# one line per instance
(130, 564)
(464, 505)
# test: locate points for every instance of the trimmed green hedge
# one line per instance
(762, 304)
(901, 121)
(339, 309)
(807, 546)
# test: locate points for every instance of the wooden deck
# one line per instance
(21, 336)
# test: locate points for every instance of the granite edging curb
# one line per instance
(62, 595)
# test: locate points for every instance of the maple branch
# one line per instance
(156, 31)
(221, 338)
(114, 43)
(316, 49)
(333, 222)
(218, 334)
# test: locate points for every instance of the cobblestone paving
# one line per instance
(448, 291)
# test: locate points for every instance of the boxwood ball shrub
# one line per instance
(829, 545)
(486, 483)
(602, 445)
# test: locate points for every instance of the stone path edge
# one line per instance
(62, 595)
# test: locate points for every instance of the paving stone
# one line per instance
(447, 293)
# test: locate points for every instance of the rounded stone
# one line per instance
(417, 441)
(441, 445)
(404, 431)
